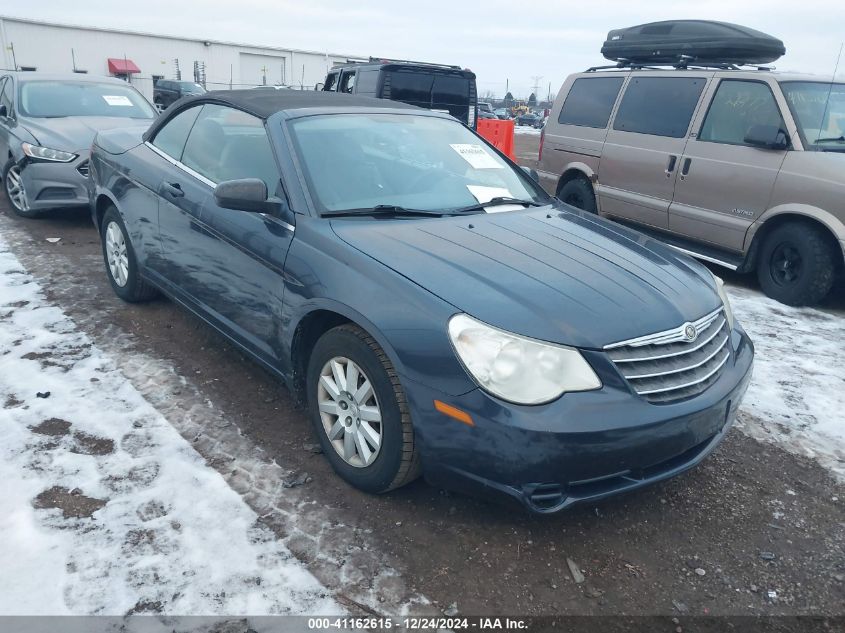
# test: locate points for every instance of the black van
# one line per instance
(433, 86)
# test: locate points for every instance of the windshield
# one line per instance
(821, 120)
(358, 161)
(82, 98)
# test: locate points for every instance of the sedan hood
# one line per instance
(551, 274)
(73, 134)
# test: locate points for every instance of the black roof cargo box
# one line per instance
(703, 41)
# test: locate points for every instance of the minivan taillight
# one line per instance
(542, 138)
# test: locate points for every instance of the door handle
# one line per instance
(174, 189)
(671, 166)
(685, 168)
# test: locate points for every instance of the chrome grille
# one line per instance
(670, 366)
(83, 168)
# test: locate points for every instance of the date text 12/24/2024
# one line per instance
(416, 624)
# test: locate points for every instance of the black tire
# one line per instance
(796, 264)
(134, 289)
(23, 212)
(579, 193)
(397, 461)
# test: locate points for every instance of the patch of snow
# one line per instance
(528, 131)
(797, 394)
(171, 535)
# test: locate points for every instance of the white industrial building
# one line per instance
(143, 58)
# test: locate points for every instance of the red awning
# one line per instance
(122, 66)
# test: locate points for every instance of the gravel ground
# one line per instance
(754, 530)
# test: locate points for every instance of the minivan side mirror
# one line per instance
(246, 194)
(767, 137)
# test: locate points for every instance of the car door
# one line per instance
(239, 255)
(725, 184)
(642, 150)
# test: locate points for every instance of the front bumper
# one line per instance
(580, 448)
(51, 185)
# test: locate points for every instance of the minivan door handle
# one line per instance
(671, 166)
(685, 168)
(174, 189)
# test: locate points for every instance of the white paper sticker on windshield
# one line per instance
(486, 194)
(476, 156)
(117, 100)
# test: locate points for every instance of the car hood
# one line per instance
(552, 274)
(73, 134)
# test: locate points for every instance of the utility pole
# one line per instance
(536, 85)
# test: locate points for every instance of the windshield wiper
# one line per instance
(383, 209)
(831, 139)
(496, 202)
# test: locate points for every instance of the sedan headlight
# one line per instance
(723, 295)
(45, 153)
(518, 369)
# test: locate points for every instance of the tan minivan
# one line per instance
(743, 168)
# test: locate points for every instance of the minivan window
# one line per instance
(736, 107)
(819, 110)
(171, 138)
(590, 101)
(6, 94)
(347, 83)
(662, 106)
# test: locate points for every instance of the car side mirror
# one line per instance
(767, 137)
(532, 173)
(4, 112)
(319, 85)
(248, 194)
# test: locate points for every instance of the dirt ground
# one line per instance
(754, 530)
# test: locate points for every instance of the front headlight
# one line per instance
(518, 369)
(723, 295)
(45, 153)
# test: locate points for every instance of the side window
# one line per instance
(662, 106)
(347, 83)
(6, 88)
(367, 81)
(171, 138)
(331, 81)
(736, 107)
(227, 144)
(590, 102)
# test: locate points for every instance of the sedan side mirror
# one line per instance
(4, 112)
(246, 194)
(532, 173)
(767, 137)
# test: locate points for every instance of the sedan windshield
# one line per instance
(362, 161)
(82, 98)
(819, 110)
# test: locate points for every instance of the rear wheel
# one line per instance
(121, 262)
(16, 191)
(579, 194)
(796, 264)
(359, 411)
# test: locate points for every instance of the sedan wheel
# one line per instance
(16, 190)
(116, 255)
(350, 412)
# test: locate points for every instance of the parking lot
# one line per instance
(758, 528)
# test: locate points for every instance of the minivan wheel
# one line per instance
(359, 411)
(121, 263)
(16, 192)
(796, 264)
(579, 194)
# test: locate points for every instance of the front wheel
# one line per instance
(16, 191)
(579, 194)
(359, 411)
(121, 263)
(796, 264)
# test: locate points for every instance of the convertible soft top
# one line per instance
(264, 103)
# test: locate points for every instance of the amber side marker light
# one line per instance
(452, 412)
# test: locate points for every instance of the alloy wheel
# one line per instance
(116, 254)
(350, 412)
(786, 264)
(16, 190)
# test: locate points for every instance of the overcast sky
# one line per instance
(500, 40)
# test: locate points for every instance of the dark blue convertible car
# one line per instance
(438, 311)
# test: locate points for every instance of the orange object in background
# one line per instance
(499, 133)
